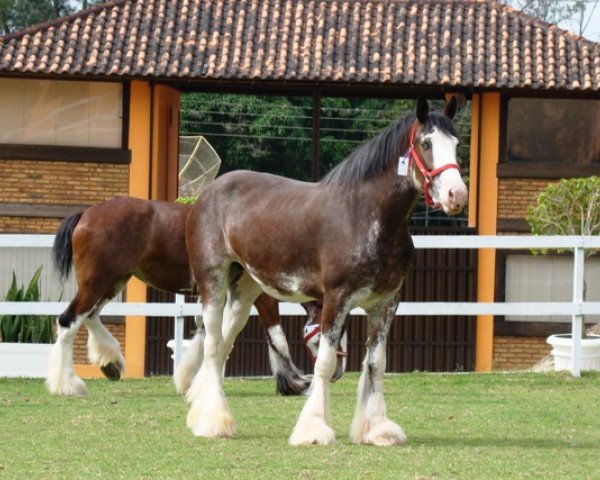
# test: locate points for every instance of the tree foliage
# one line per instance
(577, 13)
(18, 14)
(274, 134)
(569, 207)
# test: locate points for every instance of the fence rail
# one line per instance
(576, 309)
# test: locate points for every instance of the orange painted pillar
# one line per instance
(486, 115)
(139, 186)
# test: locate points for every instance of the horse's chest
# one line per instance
(383, 257)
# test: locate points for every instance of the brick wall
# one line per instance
(28, 224)
(64, 183)
(52, 183)
(516, 195)
(518, 353)
(57, 183)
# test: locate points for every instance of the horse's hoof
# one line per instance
(316, 432)
(112, 371)
(382, 434)
(67, 386)
(288, 385)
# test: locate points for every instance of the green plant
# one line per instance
(26, 328)
(187, 200)
(569, 207)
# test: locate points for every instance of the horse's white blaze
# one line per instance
(311, 427)
(62, 379)
(444, 153)
(103, 348)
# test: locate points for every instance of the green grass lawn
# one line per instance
(462, 426)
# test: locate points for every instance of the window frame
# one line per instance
(536, 170)
(77, 154)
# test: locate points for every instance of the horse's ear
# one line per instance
(422, 109)
(450, 109)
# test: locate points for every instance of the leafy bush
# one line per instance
(26, 328)
(569, 207)
(186, 200)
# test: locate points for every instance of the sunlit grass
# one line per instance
(459, 426)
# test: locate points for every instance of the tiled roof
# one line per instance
(467, 43)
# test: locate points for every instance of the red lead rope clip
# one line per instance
(312, 336)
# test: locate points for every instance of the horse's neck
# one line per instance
(394, 198)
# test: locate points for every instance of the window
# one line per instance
(548, 278)
(61, 113)
(553, 131)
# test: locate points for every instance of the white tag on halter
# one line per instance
(403, 165)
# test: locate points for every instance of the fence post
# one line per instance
(577, 319)
(178, 333)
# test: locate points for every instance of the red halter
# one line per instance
(428, 175)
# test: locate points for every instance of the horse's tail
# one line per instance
(62, 250)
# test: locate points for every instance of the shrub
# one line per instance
(26, 328)
(569, 207)
(186, 200)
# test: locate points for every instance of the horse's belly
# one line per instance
(286, 288)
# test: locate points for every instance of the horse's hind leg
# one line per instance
(191, 361)
(289, 379)
(209, 415)
(62, 379)
(370, 424)
(103, 349)
(241, 295)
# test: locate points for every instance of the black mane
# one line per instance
(375, 156)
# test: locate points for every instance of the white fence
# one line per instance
(575, 309)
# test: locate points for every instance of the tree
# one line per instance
(575, 13)
(569, 207)
(18, 14)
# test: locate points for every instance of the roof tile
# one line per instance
(478, 43)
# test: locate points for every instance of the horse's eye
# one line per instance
(426, 145)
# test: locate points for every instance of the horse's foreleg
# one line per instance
(289, 379)
(312, 427)
(62, 379)
(191, 361)
(370, 424)
(104, 349)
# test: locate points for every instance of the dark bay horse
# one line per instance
(343, 241)
(109, 243)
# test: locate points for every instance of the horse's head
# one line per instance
(432, 148)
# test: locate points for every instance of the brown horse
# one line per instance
(343, 241)
(109, 243)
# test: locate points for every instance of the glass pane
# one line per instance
(547, 278)
(47, 112)
(553, 130)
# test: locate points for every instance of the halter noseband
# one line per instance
(428, 175)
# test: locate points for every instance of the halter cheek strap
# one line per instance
(428, 175)
(312, 336)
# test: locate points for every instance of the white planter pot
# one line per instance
(24, 359)
(562, 346)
